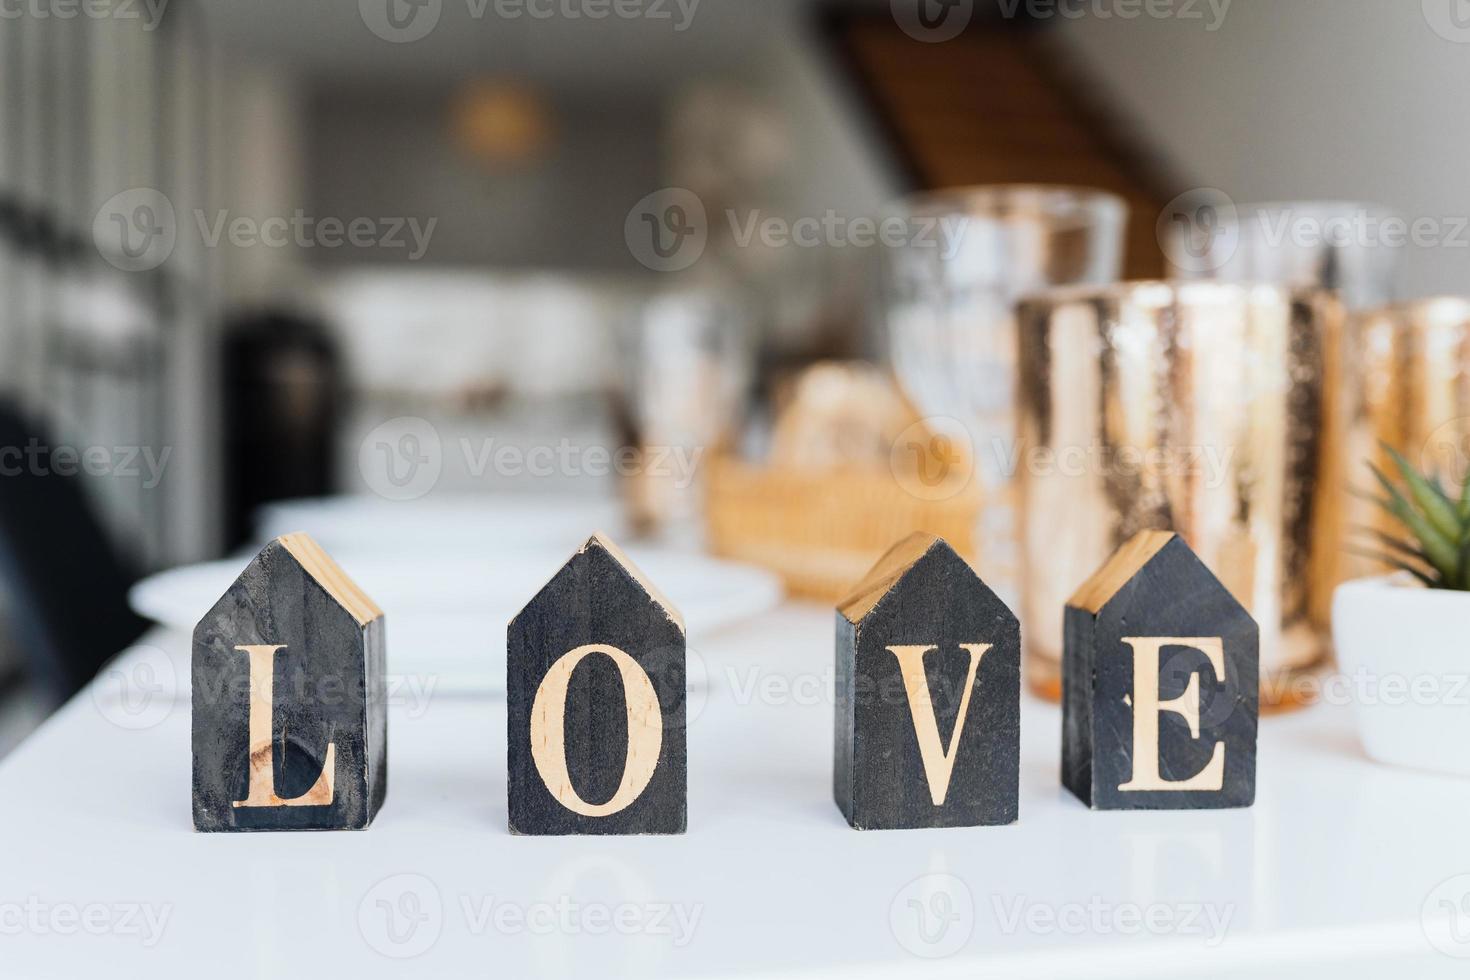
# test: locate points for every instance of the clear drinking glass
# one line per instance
(1349, 247)
(949, 293)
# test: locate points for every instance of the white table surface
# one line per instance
(1332, 868)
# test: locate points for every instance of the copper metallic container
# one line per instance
(1412, 362)
(1197, 407)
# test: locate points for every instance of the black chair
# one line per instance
(68, 586)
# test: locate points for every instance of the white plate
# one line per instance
(446, 614)
(468, 524)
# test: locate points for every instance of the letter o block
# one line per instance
(596, 699)
(1160, 682)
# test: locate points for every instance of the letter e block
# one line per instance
(1160, 681)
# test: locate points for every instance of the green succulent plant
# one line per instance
(1438, 524)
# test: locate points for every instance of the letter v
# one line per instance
(938, 762)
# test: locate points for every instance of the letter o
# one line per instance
(548, 733)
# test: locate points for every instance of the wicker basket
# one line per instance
(821, 530)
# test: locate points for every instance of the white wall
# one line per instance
(1356, 99)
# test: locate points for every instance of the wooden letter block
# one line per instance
(1159, 684)
(928, 695)
(290, 698)
(596, 701)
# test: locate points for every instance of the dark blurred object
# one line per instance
(68, 585)
(282, 381)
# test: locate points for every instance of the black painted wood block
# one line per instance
(596, 703)
(1160, 692)
(928, 715)
(290, 698)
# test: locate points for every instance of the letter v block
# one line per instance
(928, 695)
(290, 698)
(596, 701)
(1159, 684)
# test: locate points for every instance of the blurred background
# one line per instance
(462, 277)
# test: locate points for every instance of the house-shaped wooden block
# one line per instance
(1159, 684)
(290, 698)
(596, 703)
(928, 695)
